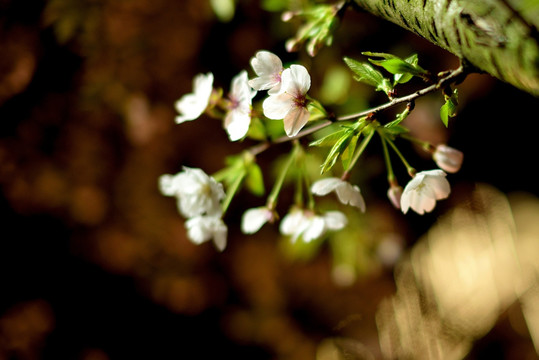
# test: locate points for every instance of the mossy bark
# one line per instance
(497, 36)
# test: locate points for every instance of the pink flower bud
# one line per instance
(394, 194)
(447, 158)
(288, 15)
(292, 45)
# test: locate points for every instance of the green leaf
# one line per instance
(400, 117)
(337, 150)
(402, 69)
(329, 140)
(404, 78)
(449, 108)
(255, 180)
(316, 110)
(257, 130)
(367, 74)
(398, 66)
(379, 54)
(348, 153)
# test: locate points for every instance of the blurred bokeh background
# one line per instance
(95, 263)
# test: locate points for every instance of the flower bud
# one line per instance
(447, 158)
(394, 194)
(288, 15)
(292, 45)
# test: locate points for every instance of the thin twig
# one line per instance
(444, 81)
(453, 75)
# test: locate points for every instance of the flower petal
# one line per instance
(295, 120)
(314, 229)
(253, 219)
(237, 124)
(325, 186)
(296, 80)
(349, 194)
(168, 185)
(291, 222)
(220, 232)
(438, 183)
(263, 82)
(277, 106)
(335, 220)
(191, 106)
(266, 63)
(197, 230)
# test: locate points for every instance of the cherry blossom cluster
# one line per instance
(199, 199)
(202, 200)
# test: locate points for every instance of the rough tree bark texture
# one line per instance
(497, 36)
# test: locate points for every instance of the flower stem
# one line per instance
(424, 144)
(234, 187)
(409, 168)
(390, 173)
(272, 197)
(358, 153)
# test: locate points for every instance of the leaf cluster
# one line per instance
(403, 70)
(343, 145)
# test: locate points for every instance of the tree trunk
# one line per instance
(499, 37)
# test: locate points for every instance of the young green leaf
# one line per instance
(257, 130)
(337, 149)
(449, 108)
(367, 74)
(405, 69)
(348, 153)
(400, 117)
(329, 140)
(404, 78)
(399, 66)
(254, 180)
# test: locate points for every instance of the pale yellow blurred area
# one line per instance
(459, 279)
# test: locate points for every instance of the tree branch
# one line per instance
(490, 34)
(451, 77)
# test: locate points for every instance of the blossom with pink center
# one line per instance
(238, 117)
(191, 106)
(268, 67)
(290, 104)
(423, 190)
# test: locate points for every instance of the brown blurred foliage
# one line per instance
(95, 263)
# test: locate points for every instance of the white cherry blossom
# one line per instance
(310, 226)
(347, 193)
(191, 106)
(238, 117)
(423, 190)
(290, 104)
(204, 228)
(253, 219)
(448, 158)
(269, 68)
(196, 192)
